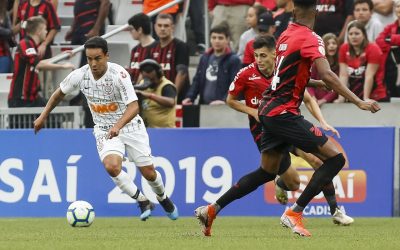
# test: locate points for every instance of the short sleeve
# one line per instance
(71, 82)
(182, 55)
(313, 48)
(342, 53)
(29, 53)
(52, 19)
(238, 84)
(125, 87)
(373, 54)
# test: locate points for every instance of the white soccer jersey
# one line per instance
(107, 97)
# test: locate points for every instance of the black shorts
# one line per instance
(256, 132)
(283, 131)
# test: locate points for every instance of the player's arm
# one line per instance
(317, 84)
(182, 65)
(315, 110)
(334, 83)
(47, 65)
(132, 109)
(234, 103)
(54, 100)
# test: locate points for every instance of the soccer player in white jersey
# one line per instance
(118, 127)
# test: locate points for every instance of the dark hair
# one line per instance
(165, 16)
(97, 42)
(266, 41)
(150, 65)
(259, 9)
(369, 2)
(141, 21)
(222, 28)
(32, 24)
(326, 38)
(305, 3)
(360, 26)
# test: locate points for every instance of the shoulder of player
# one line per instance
(246, 71)
(118, 71)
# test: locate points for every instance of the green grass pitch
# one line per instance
(228, 233)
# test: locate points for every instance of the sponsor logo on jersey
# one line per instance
(326, 8)
(30, 51)
(255, 101)
(104, 108)
(123, 75)
(254, 77)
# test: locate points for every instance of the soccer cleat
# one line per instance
(294, 221)
(340, 218)
(145, 208)
(170, 208)
(206, 215)
(281, 195)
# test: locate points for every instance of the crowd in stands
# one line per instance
(362, 39)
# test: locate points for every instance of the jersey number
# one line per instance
(276, 79)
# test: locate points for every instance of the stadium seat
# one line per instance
(5, 81)
(126, 9)
(60, 36)
(65, 11)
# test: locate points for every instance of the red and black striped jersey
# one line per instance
(172, 57)
(25, 83)
(138, 54)
(85, 15)
(296, 50)
(44, 8)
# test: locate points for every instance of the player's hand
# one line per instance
(254, 114)
(113, 132)
(325, 126)
(38, 124)
(187, 101)
(370, 105)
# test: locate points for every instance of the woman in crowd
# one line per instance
(360, 65)
(331, 50)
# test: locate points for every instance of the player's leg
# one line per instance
(338, 216)
(288, 181)
(139, 151)
(111, 154)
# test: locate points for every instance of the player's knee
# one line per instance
(148, 173)
(294, 184)
(112, 167)
(336, 163)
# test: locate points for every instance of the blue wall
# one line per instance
(40, 175)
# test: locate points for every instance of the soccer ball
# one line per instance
(80, 214)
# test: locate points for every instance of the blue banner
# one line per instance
(40, 175)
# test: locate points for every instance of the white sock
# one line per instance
(128, 186)
(158, 187)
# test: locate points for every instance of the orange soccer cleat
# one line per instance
(294, 221)
(206, 215)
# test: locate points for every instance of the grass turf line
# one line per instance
(228, 233)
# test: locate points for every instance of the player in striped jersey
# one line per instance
(118, 127)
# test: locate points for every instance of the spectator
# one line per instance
(158, 96)
(89, 21)
(25, 85)
(233, 12)
(216, 70)
(196, 14)
(389, 42)
(172, 54)
(331, 49)
(45, 9)
(265, 26)
(333, 17)
(15, 5)
(269, 4)
(6, 40)
(141, 31)
(360, 65)
(283, 17)
(251, 19)
(363, 10)
(383, 11)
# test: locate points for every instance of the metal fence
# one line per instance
(23, 118)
